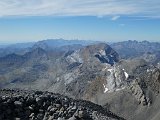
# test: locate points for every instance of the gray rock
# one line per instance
(60, 118)
(17, 118)
(58, 105)
(40, 116)
(31, 115)
(39, 101)
(53, 110)
(72, 118)
(18, 103)
(78, 109)
(51, 118)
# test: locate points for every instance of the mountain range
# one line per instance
(122, 76)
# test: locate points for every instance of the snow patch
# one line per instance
(126, 75)
(110, 70)
(105, 88)
(102, 52)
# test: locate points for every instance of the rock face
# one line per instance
(69, 72)
(129, 87)
(37, 105)
(147, 82)
(82, 67)
(139, 99)
(139, 94)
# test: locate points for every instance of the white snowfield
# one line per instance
(116, 80)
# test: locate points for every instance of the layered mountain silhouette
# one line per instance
(124, 76)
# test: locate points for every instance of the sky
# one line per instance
(101, 20)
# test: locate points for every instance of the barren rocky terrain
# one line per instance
(37, 105)
(122, 77)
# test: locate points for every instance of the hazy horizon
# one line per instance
(34, 41)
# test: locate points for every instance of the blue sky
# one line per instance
(106, 20)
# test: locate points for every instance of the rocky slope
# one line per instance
(37, 105)
(139, 100)
(129, 87)
(67, 72)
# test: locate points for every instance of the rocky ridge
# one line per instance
(129, 87)
(37, 105)
(67, 72)
(149, 51)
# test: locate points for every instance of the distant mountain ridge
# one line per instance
(134, 48)
(126, 49)
(22, 48)
(124, 77)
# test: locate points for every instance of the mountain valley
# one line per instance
(123, 77)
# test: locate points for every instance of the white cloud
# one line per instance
(116, 8)
(115, 18)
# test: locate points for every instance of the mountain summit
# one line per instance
(94, 72)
